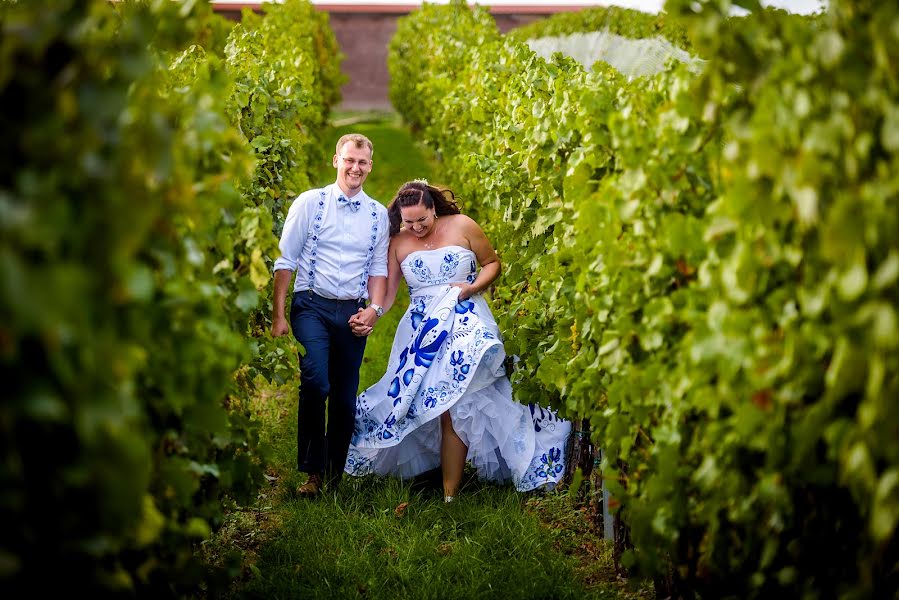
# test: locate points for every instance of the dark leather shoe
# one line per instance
(312, 487)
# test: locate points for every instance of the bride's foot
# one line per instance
(449, 498)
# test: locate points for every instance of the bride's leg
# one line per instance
(452, 455)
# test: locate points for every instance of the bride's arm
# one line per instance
(487, 258)
(394, 276)
(386, 291)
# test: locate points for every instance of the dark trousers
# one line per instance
(329, 370)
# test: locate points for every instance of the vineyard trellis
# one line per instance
(148, 149)
(703, 266)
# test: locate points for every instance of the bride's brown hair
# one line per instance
(443, 201)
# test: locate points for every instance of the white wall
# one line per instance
(654, 6)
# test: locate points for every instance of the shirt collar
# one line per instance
(334, 192)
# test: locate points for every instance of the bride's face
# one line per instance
(418, 219)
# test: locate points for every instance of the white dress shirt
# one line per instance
(347, 246)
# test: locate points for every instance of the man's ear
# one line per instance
(334, 161)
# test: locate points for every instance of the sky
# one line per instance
(796, 6)
(651, 6)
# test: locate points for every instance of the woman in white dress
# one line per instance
(445, 397)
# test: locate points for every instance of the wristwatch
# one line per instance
(379, 310)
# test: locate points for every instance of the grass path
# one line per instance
(384, 538)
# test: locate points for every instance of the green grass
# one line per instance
(378, 537)
(389, 538)
(381, 537)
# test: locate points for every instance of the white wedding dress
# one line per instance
(448, 356)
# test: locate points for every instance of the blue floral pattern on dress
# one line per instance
(473, 274)
(460, 367)
(449, 269)
(417, 306)
(543, 417)
(426, 351)
(447, 352)
(449, 266)
(421, 270)
(550, 463)
(464, 306)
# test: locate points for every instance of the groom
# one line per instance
(335, 238)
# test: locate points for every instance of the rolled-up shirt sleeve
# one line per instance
(379, 259)
(293, 237)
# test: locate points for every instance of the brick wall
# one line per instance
(363, 38)
(364, 33)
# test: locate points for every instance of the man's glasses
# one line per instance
(363, 163)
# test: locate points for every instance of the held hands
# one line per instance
(363, 322)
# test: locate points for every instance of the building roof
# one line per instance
(404, 6)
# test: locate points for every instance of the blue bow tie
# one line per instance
(353, 204)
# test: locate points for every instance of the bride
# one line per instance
(445, 398)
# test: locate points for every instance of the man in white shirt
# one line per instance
(335, 239)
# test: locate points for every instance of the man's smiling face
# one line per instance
(353, 166)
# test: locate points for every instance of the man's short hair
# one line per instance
(356, 138)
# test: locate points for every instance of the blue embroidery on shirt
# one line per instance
(373, 239)
(316, 231)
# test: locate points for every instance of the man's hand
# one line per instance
(279, 322)
(279, 327)
(363, 322)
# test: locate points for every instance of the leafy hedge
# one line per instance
(131, 268)
(417, 99)
(712, 283)
(286, 68)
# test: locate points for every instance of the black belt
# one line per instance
(311, 294)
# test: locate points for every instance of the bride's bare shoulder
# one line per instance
(460, 220)
(401, 245)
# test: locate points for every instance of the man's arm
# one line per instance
(293, 238)
(283, 277)
(377, 290)
(364, 320)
